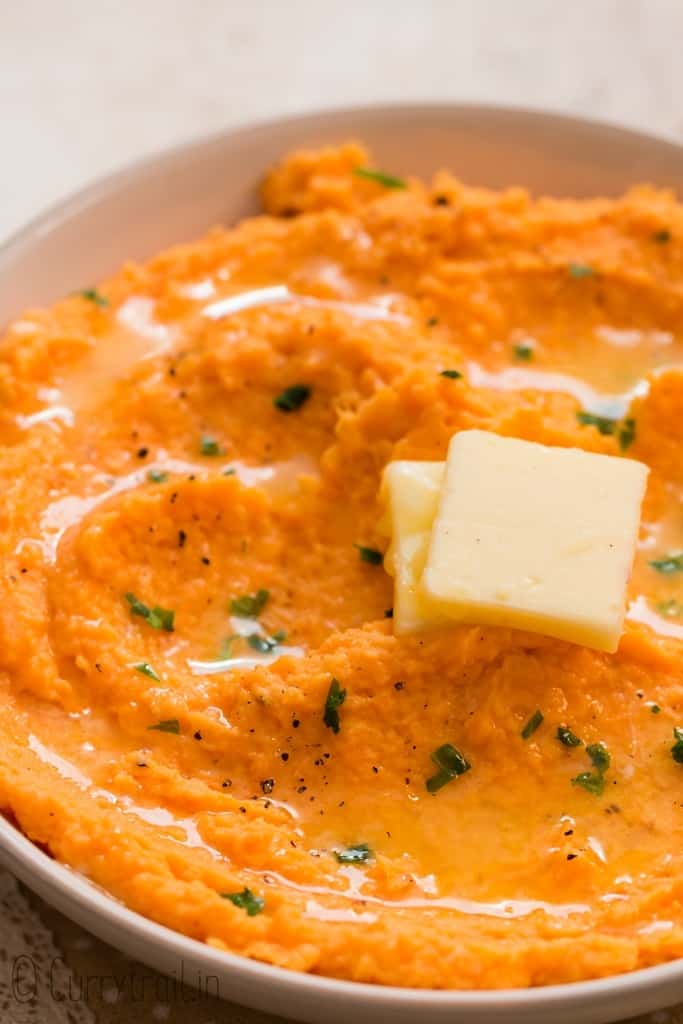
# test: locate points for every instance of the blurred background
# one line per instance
(86, 86)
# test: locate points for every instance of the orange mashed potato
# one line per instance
(189, 526)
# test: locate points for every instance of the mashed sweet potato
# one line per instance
(190, 471)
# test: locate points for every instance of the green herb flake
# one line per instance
(592, 782)
(156, 617)
(433, 321)
(451, 374)
(250, 606)
(662, 237)
(626, 434)
(157, 476)
(370, 555)
(532, 725)
(167, 725)
(677, 749)
(670, 609)
(450, 762)
(604, 424)
(669, 563)
(209, 446)
(266, 644)
(334, 700)
(599, 755)
(145, 669)
(580, 270)
(524, 351)
(246, 900)
(292, 398)
(625, 430)
(380, 177)
(655, 709)
(358, 854)
(567, 737)
(92, 295)
(259, 643)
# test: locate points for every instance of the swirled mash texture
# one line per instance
(204, 708)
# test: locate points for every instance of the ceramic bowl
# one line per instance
(174, 197)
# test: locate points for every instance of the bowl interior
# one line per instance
(173, 198)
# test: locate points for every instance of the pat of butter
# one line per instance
(535, 538)
(411, 492)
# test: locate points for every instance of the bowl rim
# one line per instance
(28, 861)
(37, 869)
(74, 200)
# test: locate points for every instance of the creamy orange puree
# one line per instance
(509, 875)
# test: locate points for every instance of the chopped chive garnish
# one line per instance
(671, 608)
(669, 563)
(358, 854)
(450, 763)
(246, 900)
(92, 295)
(524, 351)
(209, 446)
(370, 555)
(259, 643)
(567, 737)
(593, 782)
(626, 434)
(625, 430)
(451, 374)
(292, 398)
(145, 669)
(599, 755)
(677, 749)
(380, 177)
(156, 617)
(157, 476)
(250, 605)
(266, 644)
(605, 424)
(167, 725)
(532, 725)
(334, 700)
(579, 270)
(662, 236)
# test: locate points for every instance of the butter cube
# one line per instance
(411, 492)
(535, 538)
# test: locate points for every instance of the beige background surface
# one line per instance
(88, 85)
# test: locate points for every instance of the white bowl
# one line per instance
(174, 197)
